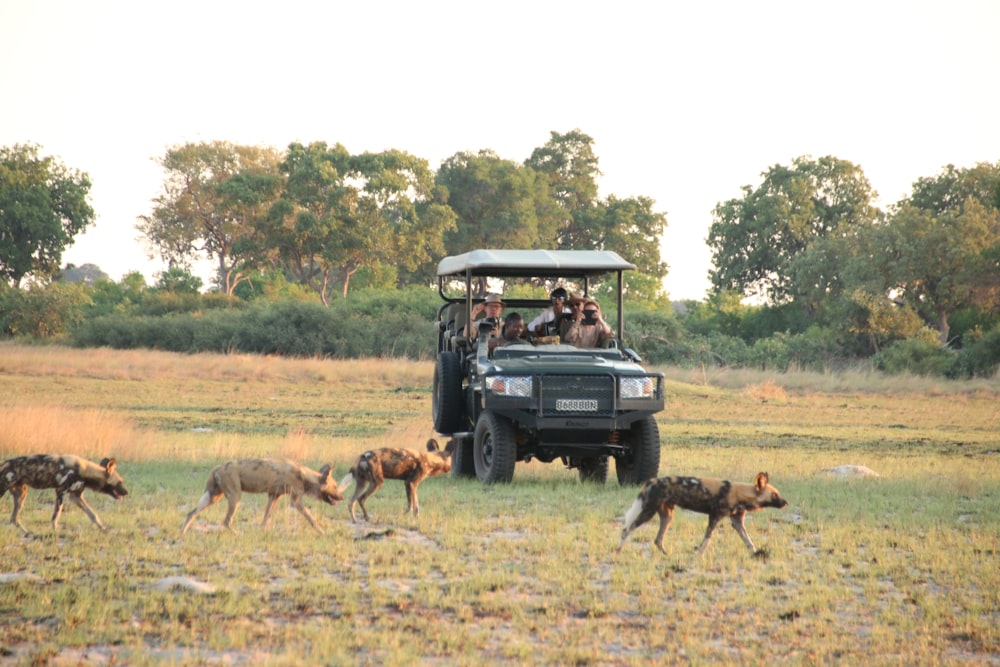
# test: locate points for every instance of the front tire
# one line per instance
(494, 449)
(643, 459)
(446, 399)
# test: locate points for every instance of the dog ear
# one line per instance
(449, 449)
(325, 472)
(760, 482)
(109, 465)
(432, 445)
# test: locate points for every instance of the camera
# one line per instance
(590, 316)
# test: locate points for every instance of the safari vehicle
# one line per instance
(543, 400)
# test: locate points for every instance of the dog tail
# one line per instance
(347, 481)
(631, 515)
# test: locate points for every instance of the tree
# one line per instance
(87, 274)
(403, 215)
(213, 194)
(756, 240)
(499, 203)
(633, 229)
(43, 206)
(569, 163)
(936, 251)
(340, 213)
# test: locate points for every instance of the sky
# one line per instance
(686, 102)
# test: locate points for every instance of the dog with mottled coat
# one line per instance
(275, 477)
(67, 474)
(717, 498)
(412, 466)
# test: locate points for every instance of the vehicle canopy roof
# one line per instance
(539, 263)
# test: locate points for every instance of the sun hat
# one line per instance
(493, 298)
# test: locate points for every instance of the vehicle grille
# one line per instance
(577, 395)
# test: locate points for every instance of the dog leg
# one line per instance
(19, 493)
(360, 489)
(57, 512)
(713, 521)
(412, 504)
(737, 521)
(206, 500)
(297, 504)
(82, 504)
(234, 504)
(272, 498)
(373, 486)
(666, 516)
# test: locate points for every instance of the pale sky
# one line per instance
(686, 101)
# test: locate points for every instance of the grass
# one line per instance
(898, 569)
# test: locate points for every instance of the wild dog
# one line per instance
(275, 477)
(715, 497)
(66, 474)
(412, 466)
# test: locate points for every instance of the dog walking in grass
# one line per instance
(64, 473)
(715, 497)
(274, 477)
(377, 465)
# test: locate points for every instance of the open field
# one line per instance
(903, 568)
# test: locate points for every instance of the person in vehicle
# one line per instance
(586, 326)
(491, 306)
(547, 324)
(514, 330)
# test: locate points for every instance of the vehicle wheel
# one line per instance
(446, 399)
(643, 458)
(594, 470)
(463, 463)
(494, 449)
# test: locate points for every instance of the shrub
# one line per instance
(292, 328)
(981, 356)
(916, 356)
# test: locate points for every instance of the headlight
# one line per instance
(637, 387)
(515, 386)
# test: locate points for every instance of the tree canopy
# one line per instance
(43, 206)
(936, 252)
(758, 241)
(213, 194)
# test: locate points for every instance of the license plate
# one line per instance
(576, 405)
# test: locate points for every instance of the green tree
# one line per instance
(569, 163)
(340, 213)
(759, 241)
(633, 229)
(43, 206)
(402, 214)
(936, 251)
(87, 274)
(44, 311)
(499, 203)
(213, 194)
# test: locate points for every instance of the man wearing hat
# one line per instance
(491, 306)
(547, 324)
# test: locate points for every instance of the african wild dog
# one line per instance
(377, 465)
(715, 497)
(66, 474)
(275, 477)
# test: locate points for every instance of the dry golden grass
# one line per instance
(85, 432)
(765, 392)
